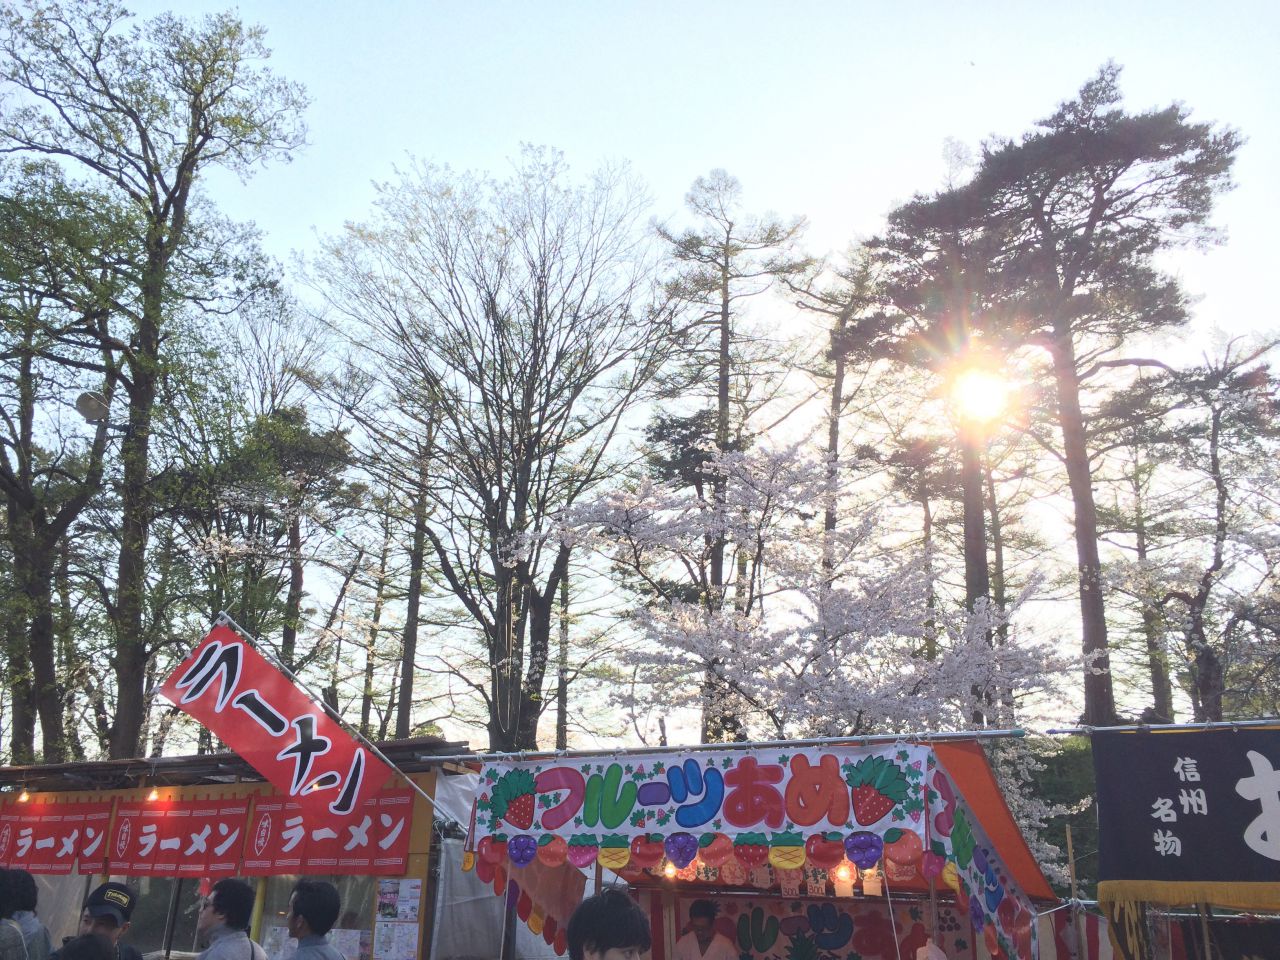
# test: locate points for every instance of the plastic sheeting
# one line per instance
(469, 917)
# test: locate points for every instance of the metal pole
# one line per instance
(1075, 893)
(1159, 727)
(923, 738)
(170, 920)
(224, 619)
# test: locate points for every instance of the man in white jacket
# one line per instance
(702, 942)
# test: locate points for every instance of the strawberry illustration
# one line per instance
(751, 849)
(583, 848)
(878, 785)
(513, 798)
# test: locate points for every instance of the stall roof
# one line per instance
(409, 755)
(967, 764)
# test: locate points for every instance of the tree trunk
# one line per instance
(1099, 699)
(562, 671)
(926, 542)
(718, 721)
(977, 583)
(69, 661)
(999, 591)
(409, 646)
(22, 735)
(371, 643)
(48, 697)
(1152, 627)
(293, 598)
(131, 579)
(1207, 676)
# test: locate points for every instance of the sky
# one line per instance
(834, 110)
(837, 111)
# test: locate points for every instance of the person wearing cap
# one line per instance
(313, 910)
(106, 913)
(224, 922)
(34, 933)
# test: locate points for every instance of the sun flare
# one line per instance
(979, 396)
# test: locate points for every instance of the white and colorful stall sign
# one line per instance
(764, 814)
(780, 806)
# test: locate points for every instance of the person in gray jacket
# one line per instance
(34, 933)
(313, 910)
(224, 921)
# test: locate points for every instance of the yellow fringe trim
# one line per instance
(1179, 893)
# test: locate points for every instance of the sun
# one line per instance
(979, 396)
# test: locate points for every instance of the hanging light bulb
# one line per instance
(23, 797)
(669, 870)
(153, 795)
(844, 873)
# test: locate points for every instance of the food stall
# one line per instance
(171, 826)
(814, 849)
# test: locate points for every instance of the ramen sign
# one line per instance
(375, 841)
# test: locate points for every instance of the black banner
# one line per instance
(1189, 806)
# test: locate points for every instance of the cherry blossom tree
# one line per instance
(828, 638)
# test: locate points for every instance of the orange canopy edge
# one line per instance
(968, 766)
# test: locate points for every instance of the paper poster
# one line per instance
(409, 897)
(384, 940)
(278, 944)
(388, 897)
(406, 941)
(346, 941)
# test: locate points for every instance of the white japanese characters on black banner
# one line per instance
(1201, 805)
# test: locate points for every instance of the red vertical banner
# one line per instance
(10, 815)
(125, 851)
(283, 734)
(277, 838)
(92, 854)
(227, 824)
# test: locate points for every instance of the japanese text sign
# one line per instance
(374, 842)
(174, 838)
(763, 804)
(278, 730)
(1189, 806)
(54, 837)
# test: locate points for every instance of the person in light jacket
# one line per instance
(313, 910)
(224, 921)
(11, 945)
(36, 934)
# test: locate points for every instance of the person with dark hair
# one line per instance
(703, 942)
(90, 946)
(313, 909)
(34, 933)
(11, 945)
(608, 926)
(224, 922)
(106, 913)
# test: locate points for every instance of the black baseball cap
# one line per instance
(112, 900)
